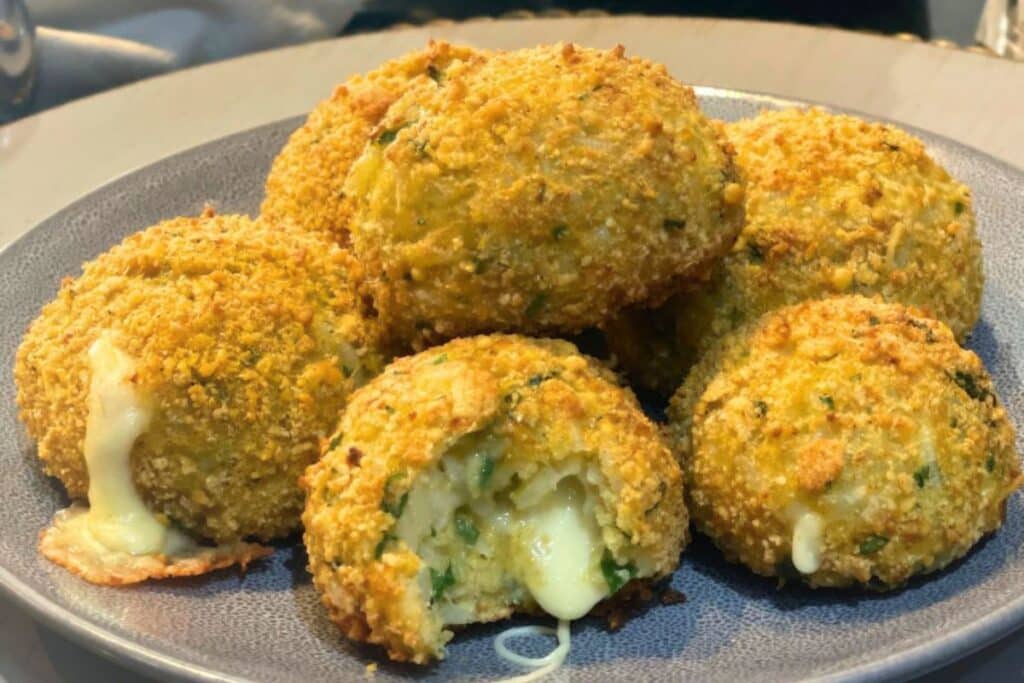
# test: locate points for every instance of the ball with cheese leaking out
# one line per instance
(844, 442)
(244, 342)
(487, 476)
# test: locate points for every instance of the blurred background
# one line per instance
(53, 51)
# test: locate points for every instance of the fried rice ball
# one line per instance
(304, 186)
(487, 476)
(247, 342)
(834, 205)
(539, 190)
(842, 442)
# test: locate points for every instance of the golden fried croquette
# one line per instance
(834, 205)
(304, 186)
(844, 441)
(247, 342)
(483, 477)
(539, 190)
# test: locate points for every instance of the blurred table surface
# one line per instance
(48, 160)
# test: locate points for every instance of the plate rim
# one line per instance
(914, 661)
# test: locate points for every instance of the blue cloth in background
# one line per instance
(88, 46)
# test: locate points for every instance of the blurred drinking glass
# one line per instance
(1001, 28)
(17, 58)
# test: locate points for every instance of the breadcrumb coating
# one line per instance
(247, 340)
(834, 205)
(550, 405)
(305, 183)
(539, 191)
(866, 415)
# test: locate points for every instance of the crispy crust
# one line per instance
(121, 569)
(866, 413)
(548, 400)
(834, 205)
(305, 183)
(539, 191)
(241, 335)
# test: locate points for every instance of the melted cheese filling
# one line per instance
(807, 543)
(117, 518)
(564, 553)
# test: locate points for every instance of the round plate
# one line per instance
(267, 624)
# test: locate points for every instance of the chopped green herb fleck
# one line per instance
(382, 545)
(616, 575)
(539, 379)
(346, 370)
(440, 582)
(389, 505)
(440, 359)
(922, 475)
(990, 462)
(969, 383)
(760, 408)
(673, 224)
(334, 442)
(466, 530)
(754, 253)
(828, 402)
(486, 471)
(872, 544)
(929, 335)
(958, 208)
(873, 321)
(536, 305)
(559, 231)
(395, 509)
(421, 221)
(434, 73)
(892, 147)
(387, 137)
(662, 487)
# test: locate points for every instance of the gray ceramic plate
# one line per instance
(267, 625)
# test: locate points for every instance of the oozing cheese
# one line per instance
(807, 543)
(118, 519)
(564, 553)
(544, 665)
